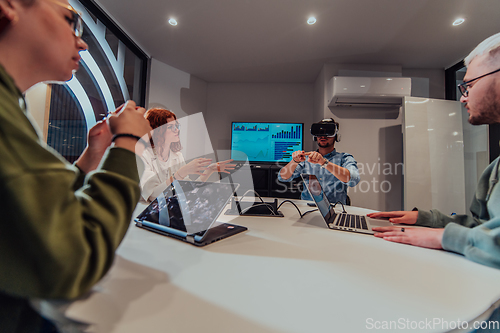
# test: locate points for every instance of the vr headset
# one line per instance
(326, 127)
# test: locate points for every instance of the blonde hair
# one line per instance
(490, 45)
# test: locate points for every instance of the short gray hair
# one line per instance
(490, 45)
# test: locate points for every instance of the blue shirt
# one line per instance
(335, 189)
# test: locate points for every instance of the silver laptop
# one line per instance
(188, 211)
(336, 219)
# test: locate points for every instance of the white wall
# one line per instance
(374, 138)
(186, 96)
(227, 102)
(222, 103)
(426, 82)
(175, 90)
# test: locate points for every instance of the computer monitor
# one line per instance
(265, 142)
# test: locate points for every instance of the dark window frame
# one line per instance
(450, 85)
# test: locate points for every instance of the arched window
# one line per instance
(112, 71)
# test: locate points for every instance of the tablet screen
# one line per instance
(189, 206)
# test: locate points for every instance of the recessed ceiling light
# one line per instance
(311, 20)
(458, 21)
(172, 22)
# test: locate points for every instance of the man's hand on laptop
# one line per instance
(403, 217)
(424, 237)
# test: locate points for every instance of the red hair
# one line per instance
(158, 117)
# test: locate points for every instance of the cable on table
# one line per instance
(300, 213)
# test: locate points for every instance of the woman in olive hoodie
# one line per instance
(61, 223)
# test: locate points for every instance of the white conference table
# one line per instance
(284, 275)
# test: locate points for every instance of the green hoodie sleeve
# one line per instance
(435, 219)
(477, 237)
(480, 244)
(56, 242)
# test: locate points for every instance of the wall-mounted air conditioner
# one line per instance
(367, 91)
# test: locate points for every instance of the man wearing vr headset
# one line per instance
(334, 170)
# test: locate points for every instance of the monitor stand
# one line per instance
(258, 208)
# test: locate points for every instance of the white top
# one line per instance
(157, 172)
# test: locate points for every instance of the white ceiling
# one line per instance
(269, 40)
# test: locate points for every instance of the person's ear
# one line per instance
(7, 14)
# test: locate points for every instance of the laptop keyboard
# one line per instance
(350, 221)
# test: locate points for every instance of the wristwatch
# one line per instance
(324, 164)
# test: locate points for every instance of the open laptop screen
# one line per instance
(316, 191)
(187, 206)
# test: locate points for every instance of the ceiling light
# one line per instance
(311, 20)
(172, 22)
(458, 21)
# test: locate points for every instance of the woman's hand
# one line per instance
(222, 166)
(129, 119)
(98, 140)
(196, 166)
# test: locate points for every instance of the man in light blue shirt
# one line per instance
(336, 171)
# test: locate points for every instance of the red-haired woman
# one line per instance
(164, 162)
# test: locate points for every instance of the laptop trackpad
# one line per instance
(379, 222)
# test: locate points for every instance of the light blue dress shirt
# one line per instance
(334, 189)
